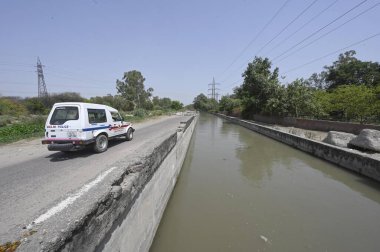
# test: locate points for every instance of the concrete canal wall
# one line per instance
(122, 213)
(136, 230)
(352, 160)
(319, 125)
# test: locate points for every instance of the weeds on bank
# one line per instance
(23, 129)
(9, 246)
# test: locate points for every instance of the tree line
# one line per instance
(347, 90)
(131, 96)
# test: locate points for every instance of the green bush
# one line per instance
(10, 107)
(17, 131)
(140, 113)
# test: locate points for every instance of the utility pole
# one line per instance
(212, 87)
(42, 92)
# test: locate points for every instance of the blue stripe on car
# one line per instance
(96, 128)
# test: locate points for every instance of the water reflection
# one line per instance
(260, 155)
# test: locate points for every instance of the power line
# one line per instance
(76, 79)
(256, 37)
(327, 33)
(234, 83)
(320, 29)
(334, 52)
(16, 64)
(278, 34)
(68, 75)
(16, 70)
(287, 26)
(304, 25)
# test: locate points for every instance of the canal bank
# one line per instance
(350, 159)
(242, 191)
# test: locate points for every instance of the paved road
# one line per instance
(33, 179)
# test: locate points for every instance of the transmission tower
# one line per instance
(42, 92)
(212, 88)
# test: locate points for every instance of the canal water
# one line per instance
(241, 191)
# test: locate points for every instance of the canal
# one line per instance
(241, 191)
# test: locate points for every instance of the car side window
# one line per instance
(97, 115)
(116, 116)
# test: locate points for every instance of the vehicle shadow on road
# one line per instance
(88, 151)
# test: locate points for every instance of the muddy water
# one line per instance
(241, 191)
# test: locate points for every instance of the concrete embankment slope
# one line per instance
(352, 160)
(122, 212)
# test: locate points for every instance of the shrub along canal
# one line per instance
(241, 191)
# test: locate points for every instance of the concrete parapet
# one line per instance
(320, 125)
(353, 160)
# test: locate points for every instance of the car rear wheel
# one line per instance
(129, 135)
(101, 143)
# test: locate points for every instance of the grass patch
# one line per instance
(31, 127)
(9, 246)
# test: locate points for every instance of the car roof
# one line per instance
(85, 105)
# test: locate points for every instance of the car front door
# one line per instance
(116, 125)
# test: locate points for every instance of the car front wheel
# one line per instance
(129, 135)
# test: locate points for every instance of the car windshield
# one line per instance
(64, 114)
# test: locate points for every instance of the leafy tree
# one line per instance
(299, 98)
(317, 81)
(162, 103)
(260, 84)
(348, 70)
(63, 97)
(132, 88)
(11, 107)
(201, 102)
(176, 105)
(322, 104)
(356, 102)
(116, 101)
(277, 104)
(229, 105)
(35, 105)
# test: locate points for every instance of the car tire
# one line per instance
(129, 135)
(101, 143)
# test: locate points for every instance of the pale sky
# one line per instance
(179, 46)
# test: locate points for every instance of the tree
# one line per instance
(11, 107)
(201, 102)
(299, 98)
(35, 105)
(356, 102)
(229, 105)
(176, 105)
(317, 81)
(348, 70)
(133, 90)
(260, 84)
(322, 103)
